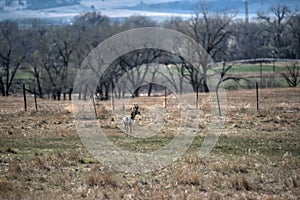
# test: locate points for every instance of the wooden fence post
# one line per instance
(95, 109)
(112, 96)
(273, 74)
(257, 106)
(197, 96)
(165, 97)
(35, 102)
(24, 95)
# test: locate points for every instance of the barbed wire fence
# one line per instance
(263, 86)
(242, 98)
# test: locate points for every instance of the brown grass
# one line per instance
(94, 179)
(240, 183)
(257, 156)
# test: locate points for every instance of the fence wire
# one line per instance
(243, 98)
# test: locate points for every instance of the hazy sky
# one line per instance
(125, 8)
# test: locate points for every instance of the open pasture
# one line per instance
(257, 155)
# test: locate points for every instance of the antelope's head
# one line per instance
(135, 111)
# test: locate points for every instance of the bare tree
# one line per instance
(293, 75)
(294, 30)
(37, 38)
(135, 60)
(138, 21)
(249, 41)
(224, 76)
(64, 44)
(93, 28)
(153, 70)
(211, 31)
(276, 26)
(12, 54)
(176, 23)
(173, 73)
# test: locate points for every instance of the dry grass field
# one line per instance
(257, 155)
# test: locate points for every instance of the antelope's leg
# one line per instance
(130, 124)
(126, 128)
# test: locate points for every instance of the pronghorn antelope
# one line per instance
(128, 120)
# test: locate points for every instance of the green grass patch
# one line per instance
(258, 146)
(25, 149)
(267, 82)
(23, 75)
(255, 68)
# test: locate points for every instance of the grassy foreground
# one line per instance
(257, 157)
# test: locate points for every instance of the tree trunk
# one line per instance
(150, 89)
(38, 81)
(205, 86)
(3, 93)
(70, 94)
(136, 92)
(58, 95)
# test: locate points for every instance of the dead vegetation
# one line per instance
(257, 157)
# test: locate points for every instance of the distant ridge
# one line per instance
(187, 6)
(158, 9)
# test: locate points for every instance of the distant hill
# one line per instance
(187, 6)
(67, 9)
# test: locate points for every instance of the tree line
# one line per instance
(47, 56)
